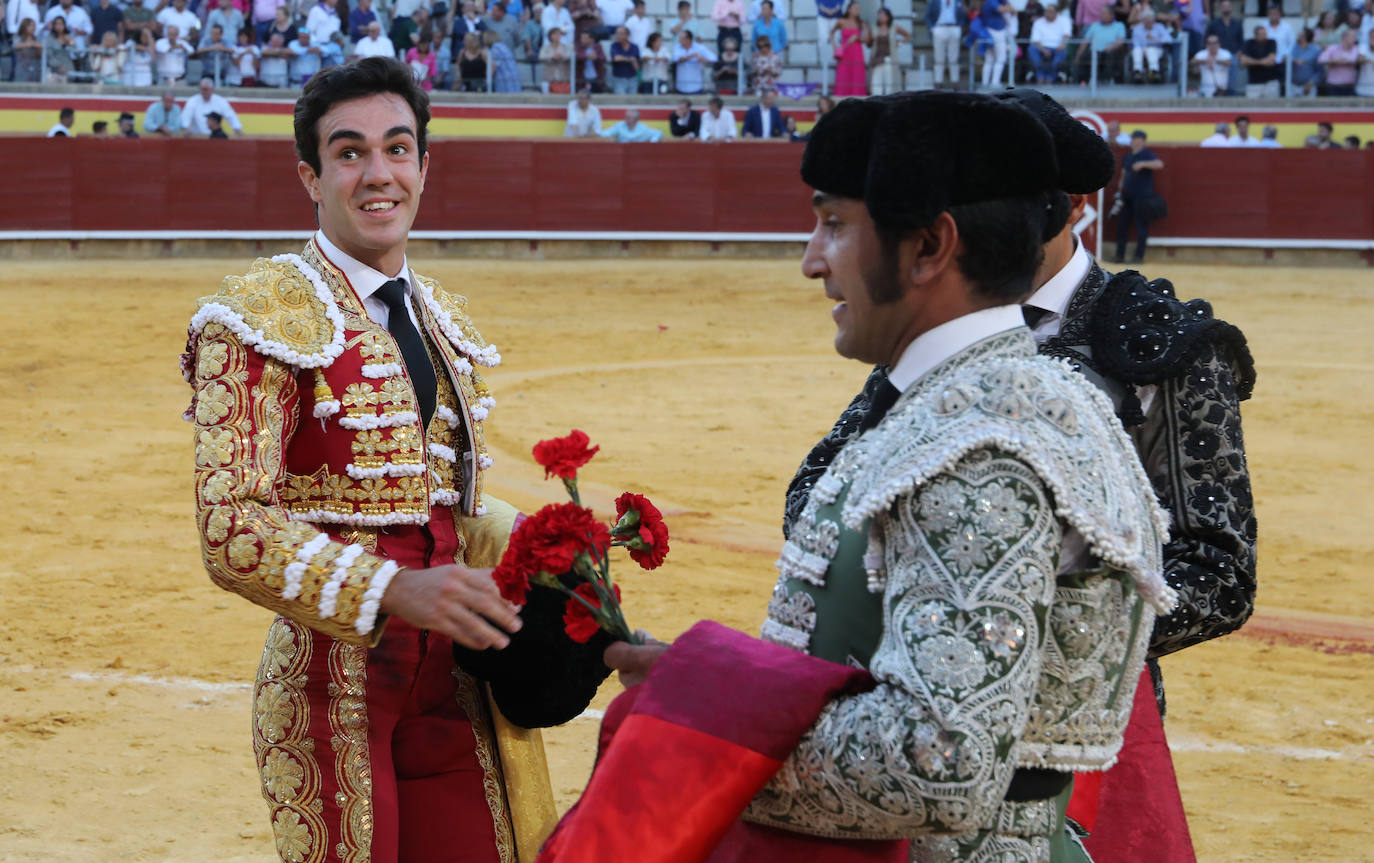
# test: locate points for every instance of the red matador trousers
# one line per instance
(381, 755)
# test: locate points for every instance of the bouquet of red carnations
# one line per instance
(564, 546)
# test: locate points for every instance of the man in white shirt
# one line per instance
(1280, 32)
(717, 123)
(688, 57)
(584, 118)
(78, 24)
(1049, 33)
(66, 118)
(556, 14)
(17, 10)
(614, 12)
(1242, 138)
(322, 22)
(1220, 137)
(171, 51)
(1213, 65)
(640, 26)
(227, 17)
(186, 21)
(374, 44)
(201, 105)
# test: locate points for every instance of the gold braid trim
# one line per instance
(474, 704)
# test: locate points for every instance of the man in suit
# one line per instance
(764, 120)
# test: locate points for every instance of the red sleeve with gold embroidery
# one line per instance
(246, 409)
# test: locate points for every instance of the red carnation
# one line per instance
(649, 546)
(512, 575)
(578, 621)
(562, 456)
(554, 537)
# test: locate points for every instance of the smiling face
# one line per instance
(370, 179)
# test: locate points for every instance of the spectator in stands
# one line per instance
(1149, 38)
(468, 22)
(405, 29)
(631, 131)
(307, 58)
(323, 22)
(107, 58)
(359, 18)
(203, 104)
(1323, 138)
(556, 58)
(769, 26)
(655, 76)
(1115, 136)
(1106, 39)
(729, 18)
(1213, 65)
(612, 14)
(947, 20)
(282, 26)
(586, 18)
(1306, 73)
(1352, 142)
(584, 118)
(126, 125)
(100, 129)
(1259, 56)
(66, 119)
(78, 26)
(624, 63)
(138, 19)
(505, 74)
(140, 58)
(373, 43)
(848, 36)
(794, 135)
(504, 25)
(105, 17)
(274, 70)
(830, 9)
(717, 123)
(1089, 12)
(172, 51)
(726, 71)
(689, 55)
(1220, 137)
(471, 65)
(59, 49)
(1049, 35)
(1364, 85)
(1340, 62)
(423, 60)
(531, 33)
(228, 19)
(591, 63)
(265, 16)
(246, 58)
(1282, 34)
(1231, 33)
(555, 15)
(163, 117)
(763, 119)
(885, 73)
(1271, 138)
(184, 20)
(215, 54)
(1326, 33)
(641, 26)
(1136, 192)
(1193, 22)
(684, 122)
(28, 52)
(1242, 137)
(824, 105)
(673, 28)
(766, 64)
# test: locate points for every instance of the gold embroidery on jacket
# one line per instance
(474, 704)
(352, 765)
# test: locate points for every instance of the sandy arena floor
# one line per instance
(124, 673)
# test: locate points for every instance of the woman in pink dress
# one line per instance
(849, 35)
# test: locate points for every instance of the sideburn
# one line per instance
(883, 279)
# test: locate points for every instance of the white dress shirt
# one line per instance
(379, 47)
(641, 28)
(196, 109)
(1238, 141)
(1216, 140)
(322, 24)
(367, 281)
(582, 123)
(717, 128)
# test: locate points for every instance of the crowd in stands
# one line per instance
(739, 46)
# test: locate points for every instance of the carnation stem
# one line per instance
(571, 486)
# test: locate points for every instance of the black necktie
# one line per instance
(1033, 315)
(884, 397)
(412, 346)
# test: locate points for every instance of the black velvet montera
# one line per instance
(543, 677)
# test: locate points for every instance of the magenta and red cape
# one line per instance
(681, 756)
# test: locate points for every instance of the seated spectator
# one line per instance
(505, 75)
(1271, 138)
(204, 103)
(1105, 39)
(359, 18)
(1306, 73)
(1231, 33)
(374, 44)
(726, 71)
(1242, 137)
(1365, 85)
(471, 64)
(1149, 38)
(100, 129)
(555, 57)
(586, 18)
(215, 123)
(769, 26)
(764, 120)
(1340, 62)
(468, 22)
(126, 125)
(28, 53)
(684, 122)
(729, 18)
(624, 63)
(631, 131)
(172, 51)
(793, 134)
(688, 57)
(1213, 65)
(1219, 138)
(307, 58)
(717, 123)
(323, 22)
(216, 55)
(1352, 142)
(584, 118)
(1324, 137)
(274, 70)
(641, 26)
(766, 65)
(59, 49)
(107, 58)
(163, 117)
(556, 17)
(1259, 56)
(66, 119)
(654, 76)
(423, 61)
(591, 63)
(1049, 39)
(178, 16)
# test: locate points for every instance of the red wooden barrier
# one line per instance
(88, 184)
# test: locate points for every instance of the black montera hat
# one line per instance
(911, 156)
(1086, 163)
